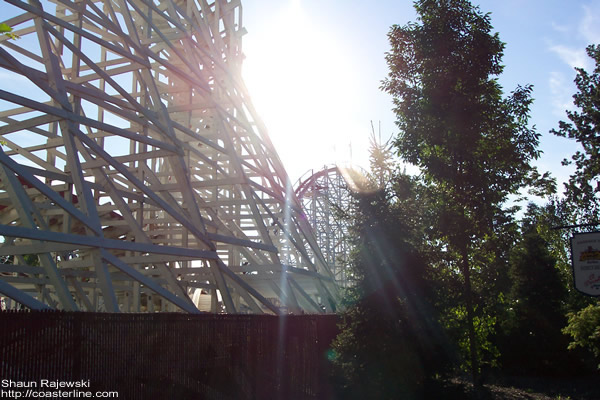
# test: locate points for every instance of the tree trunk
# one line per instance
(466, 270)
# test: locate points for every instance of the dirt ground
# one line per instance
(519, 388)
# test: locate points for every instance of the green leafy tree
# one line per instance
(583, 188)
(474, 147)
(390, 342)
(534, 342)
(381, 160)
(584, 328)
(550, 221)
(490, 285)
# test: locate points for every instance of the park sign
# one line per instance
(585, 255)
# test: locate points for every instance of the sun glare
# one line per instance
(300, 78)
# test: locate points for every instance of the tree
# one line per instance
(583, 188)
(559, 212)
(473, 146)
(390, 342)
(584, 328)
(381, 160)
(534, 342)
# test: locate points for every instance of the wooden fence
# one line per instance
(169, 356)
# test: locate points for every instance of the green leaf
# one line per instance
(7, 31)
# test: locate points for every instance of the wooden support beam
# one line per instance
(146, 163)
(22, 297)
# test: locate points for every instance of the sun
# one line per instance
(300, 79)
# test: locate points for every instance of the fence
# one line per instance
(167, 356)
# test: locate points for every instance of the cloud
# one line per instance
(560, 28)
(589, 28)
(8, 77)
(561, 90)
(585, 32)
(574, 57)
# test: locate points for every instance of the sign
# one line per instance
(585, 255)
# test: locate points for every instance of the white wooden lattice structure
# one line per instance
(325, 196)
(135, 173)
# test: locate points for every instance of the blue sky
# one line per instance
(314, 67)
